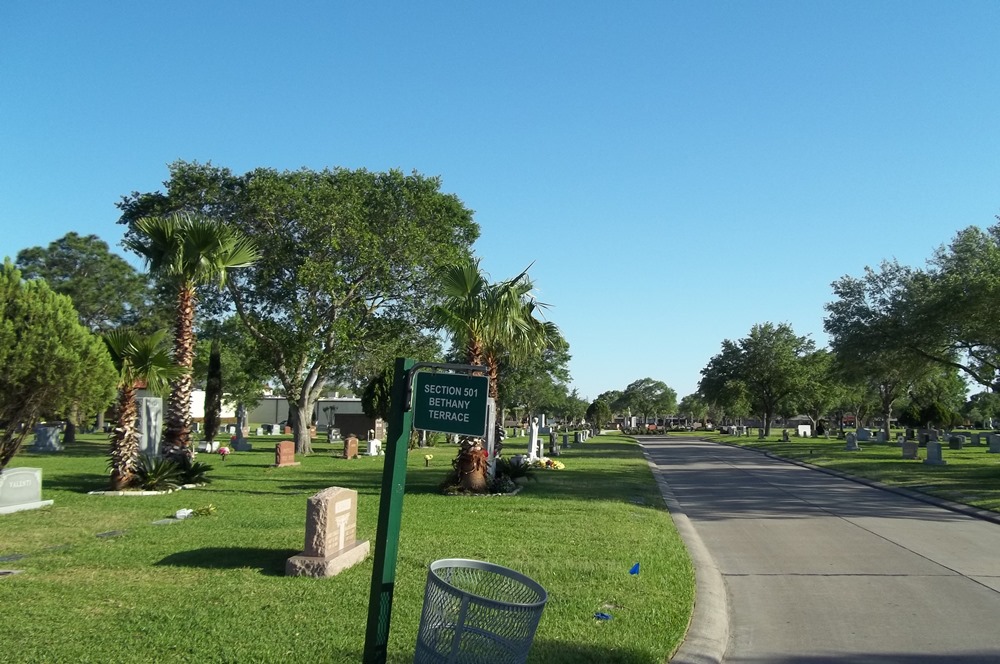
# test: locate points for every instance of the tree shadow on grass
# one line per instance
(76, 482)
(561, 652)
(270, 562)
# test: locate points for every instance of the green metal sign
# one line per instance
(450, 403)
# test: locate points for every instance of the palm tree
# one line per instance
(140, 361)
(492, 323)
(190, 250)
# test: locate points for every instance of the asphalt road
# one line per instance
(820, 569)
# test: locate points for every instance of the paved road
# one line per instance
(820, 569)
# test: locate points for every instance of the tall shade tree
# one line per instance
(765, 366)
(188, 250)
(867, 324)
(693, 408)
(141, 361)
(820, 389)
(950, 311)
(352, 258)
(106, 291)
(51, 363)
(650, 397)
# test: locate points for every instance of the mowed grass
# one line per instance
(100, 583)
(971, 476)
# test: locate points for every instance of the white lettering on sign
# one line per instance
(445, 402)
(451, 390)
(449, 416)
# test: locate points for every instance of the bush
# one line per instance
(196, 474)
(157, 473)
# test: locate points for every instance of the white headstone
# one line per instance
(804, 430)
(934, 454)
(21, 489)
(852, 443)
(864, 435)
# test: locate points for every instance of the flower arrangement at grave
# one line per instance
(224, 452)
(548, 464)
(427, 459)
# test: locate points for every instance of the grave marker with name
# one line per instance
(21, 489)
(284, 454)
(331, 545)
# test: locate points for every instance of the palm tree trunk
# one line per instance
(124, 441)
(178, 432)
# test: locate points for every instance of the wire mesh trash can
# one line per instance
(477, 613)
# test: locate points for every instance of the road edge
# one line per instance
(708, 631)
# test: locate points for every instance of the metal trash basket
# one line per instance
(477, 613)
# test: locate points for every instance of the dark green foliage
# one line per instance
(197, 473)
(156, 473)
(375, 398)
(508, 468)
(213, 392)
(50, 363)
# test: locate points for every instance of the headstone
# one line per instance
(149, 425)
(195, 426)
(259, 431)
(900, 439)
(923, 437)
(579, 437)
(784, 436)
(909, 434)
(206, 446)
(760, 434)
(864, 435)
(331, 545)
(994, 443)
(553, 444)
(803, 430)
(956, 442)
(933, 435)
(533, 440)
(852, 443)
(910, 449)
(934, 454)
(565, 441)
(231, 429)
(374, 447)
(350, 448)
(47, 439)
(976, 439)
(284, 454)
(881, 436)
(21, 489)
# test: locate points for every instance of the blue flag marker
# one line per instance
(634, 570)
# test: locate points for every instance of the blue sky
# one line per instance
(675, 171)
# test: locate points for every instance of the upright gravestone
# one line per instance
(47, 439)
(881, 436)
(784, 436)
(149, 425)
(956, 442)
(910, 449)
(864, 435)
(852, 443)
(909, 434)
(284, 454)
(533, 440)
(975, 439)
(21, 489)
(803, 431)
(553, 443)
(579, 437)
(900, 439)
(994, 442)
(331, 545)
(934, 454)
(760, 434)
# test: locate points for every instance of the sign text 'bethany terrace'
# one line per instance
(451, 403)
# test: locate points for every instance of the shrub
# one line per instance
(196, 474)
(157, 473)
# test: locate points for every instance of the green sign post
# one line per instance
(450, 403)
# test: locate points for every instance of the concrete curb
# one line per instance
(708, 632)
(961, 508)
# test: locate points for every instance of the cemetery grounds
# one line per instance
(99, 582)
(971, 475)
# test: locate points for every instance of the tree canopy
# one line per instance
(764, 369)
(51, 363)
(107, 292)
(350, 258)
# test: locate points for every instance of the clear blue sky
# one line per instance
(676, 171)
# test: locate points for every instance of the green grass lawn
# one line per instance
(971, 476)
(100, 583)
